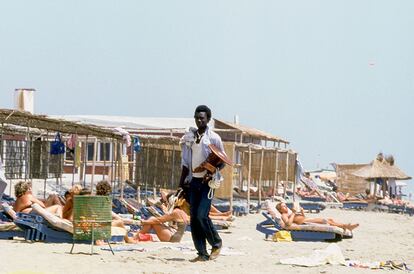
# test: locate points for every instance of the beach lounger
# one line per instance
(400, 209)
(8, 229)
(313, 199)
(359, 205)
(309, 206)
(240, 207)
(305, 232)
(47, 228)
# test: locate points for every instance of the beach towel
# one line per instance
(282, 236)
(125, 248)
(330, 255)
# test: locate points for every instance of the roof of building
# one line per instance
(131, 123)
(250, 131)
(14, 120)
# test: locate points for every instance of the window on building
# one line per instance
(90, 151)
(104, 151)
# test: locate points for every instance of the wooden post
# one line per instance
(260, 177)
(147, 170)
(173, 167)
(74, 162)
(276, 185)
(27, 174)
(121, 169)
(287, 174)
(241, 170)
(249, 177)
(155, 176)
(104, 159)
(294, 183)
(112, 177)
(95, 146)
(231, 191)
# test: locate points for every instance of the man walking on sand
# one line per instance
(195, 151)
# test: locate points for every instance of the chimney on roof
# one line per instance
(236, 119)
(24, 99)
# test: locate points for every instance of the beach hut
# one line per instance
(26, 144)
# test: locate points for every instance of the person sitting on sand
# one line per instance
(158, 224)
(103, 188)
(68, 207)
(214, 213)
(25, 199)
(290, 217)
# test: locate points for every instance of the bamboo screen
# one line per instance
(14, 160)
(158, 165)
(349, 183)
(30, 159)
(286, 166)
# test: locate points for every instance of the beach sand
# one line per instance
(380, 237)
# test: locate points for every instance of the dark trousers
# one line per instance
(202, 228)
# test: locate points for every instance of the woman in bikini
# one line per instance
(165, 232)
(25, 199)
(290, 217)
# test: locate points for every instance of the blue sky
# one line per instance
(336, 78)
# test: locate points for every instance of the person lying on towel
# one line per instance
(298, 217)
(25, 199)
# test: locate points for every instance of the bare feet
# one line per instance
(99, 242)
(351, 227)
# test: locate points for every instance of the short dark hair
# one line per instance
(203, 108)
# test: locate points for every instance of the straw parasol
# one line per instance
(382, 168)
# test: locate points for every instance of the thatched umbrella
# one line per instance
(381, 168)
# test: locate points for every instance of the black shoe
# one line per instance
(215, 252)
(199, 259)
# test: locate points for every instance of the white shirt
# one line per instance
(197, 158)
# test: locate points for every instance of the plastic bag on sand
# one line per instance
(330, 255)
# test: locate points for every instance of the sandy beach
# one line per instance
(380, 237)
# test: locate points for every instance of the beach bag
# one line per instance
(137, 144)
(282, 236)
(57, 146)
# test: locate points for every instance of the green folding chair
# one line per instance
(92, 218)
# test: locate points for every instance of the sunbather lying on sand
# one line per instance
(216, 214)
(25, 199)
(290, 217)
